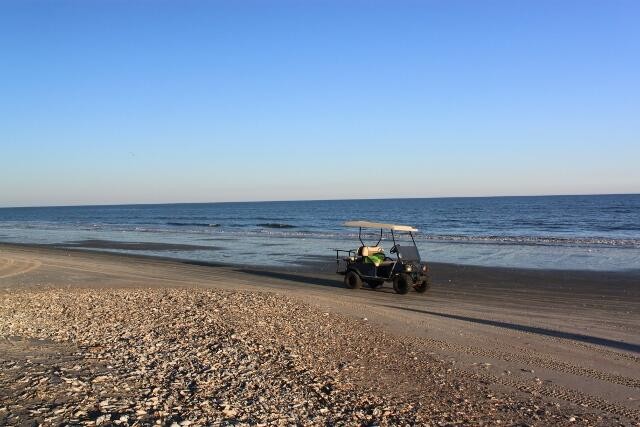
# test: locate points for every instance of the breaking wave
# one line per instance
(536, 240)
(192, 224)
(275, 225)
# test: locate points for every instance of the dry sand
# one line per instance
(90, 338)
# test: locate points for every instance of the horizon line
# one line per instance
(313, 200)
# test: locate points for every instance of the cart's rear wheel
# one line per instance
(401, 283)
(423, 286)
(374, 284)
(352, 280)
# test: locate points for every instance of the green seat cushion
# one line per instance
(374, 259)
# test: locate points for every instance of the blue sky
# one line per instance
(179, 101)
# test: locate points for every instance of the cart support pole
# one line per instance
(380, 239)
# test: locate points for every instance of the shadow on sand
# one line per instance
(621, 345)
(292, 277)
(334, 283)
(309, 280)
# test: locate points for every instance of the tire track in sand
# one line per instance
(10, 267)
(539, 361)
(562, 393)
(528, 357)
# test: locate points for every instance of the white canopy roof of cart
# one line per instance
(369, 224)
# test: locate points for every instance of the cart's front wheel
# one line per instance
(401, 283)
(423, 286)
(352, 280)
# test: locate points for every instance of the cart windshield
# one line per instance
(408, 253)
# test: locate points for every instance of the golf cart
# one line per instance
(370, 265)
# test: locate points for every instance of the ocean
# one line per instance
(550, 232)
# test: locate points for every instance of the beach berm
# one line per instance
(128, 349)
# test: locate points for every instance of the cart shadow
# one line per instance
(620, 345)
(292, 277)
(309, 280)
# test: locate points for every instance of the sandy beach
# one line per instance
(93, 338)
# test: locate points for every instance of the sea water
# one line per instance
(555, 232)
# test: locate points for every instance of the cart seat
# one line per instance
(371, 254)
(369, 250)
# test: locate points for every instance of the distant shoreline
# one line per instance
(596, 233)
(462, 273)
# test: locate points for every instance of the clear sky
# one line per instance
(193, 101)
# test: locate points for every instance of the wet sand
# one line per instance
(132, 246)
(484, 344)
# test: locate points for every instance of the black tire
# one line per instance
(374, 284)
(401, 283)
(423, 286)
(352, 280)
